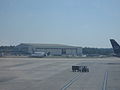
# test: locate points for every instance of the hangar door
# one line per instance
(63, 51)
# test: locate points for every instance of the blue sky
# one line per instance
(86, 23)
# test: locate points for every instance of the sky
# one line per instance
(85, 23)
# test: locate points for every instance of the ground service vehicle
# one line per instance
(77, 68)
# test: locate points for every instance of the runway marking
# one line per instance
(18, 65)
(70, 82)
(105, 81)
(6, 79)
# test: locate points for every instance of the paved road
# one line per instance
(56, 74)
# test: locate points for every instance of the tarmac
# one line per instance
(56, 74)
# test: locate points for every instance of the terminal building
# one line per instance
(51, 49)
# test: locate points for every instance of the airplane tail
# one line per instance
(116, 47)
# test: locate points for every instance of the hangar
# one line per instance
(52, 49)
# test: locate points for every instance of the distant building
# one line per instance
(51, 49)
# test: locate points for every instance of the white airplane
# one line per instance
(38, 54)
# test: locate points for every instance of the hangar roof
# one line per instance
(37, 45)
